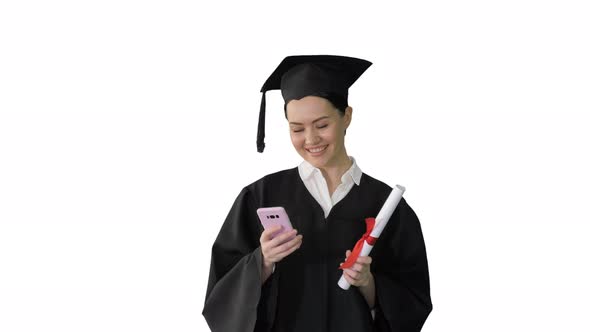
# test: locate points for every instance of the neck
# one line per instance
(333, 173)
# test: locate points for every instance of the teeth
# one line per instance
(318, 149)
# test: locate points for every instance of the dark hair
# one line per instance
(339, 102)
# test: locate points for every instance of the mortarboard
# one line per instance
(327, 76)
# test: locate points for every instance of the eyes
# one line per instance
(301, 129)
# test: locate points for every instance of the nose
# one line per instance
(311, 137)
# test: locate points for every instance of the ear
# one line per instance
(347, 117)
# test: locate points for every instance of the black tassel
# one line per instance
(261, 118)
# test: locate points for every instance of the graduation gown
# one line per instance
(302, 294)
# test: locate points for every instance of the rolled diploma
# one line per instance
(380, 221)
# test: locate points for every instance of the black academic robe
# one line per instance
(302, 294)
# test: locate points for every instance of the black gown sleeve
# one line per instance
(402, 285)
(235, 298)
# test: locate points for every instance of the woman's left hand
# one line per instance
(360, 273)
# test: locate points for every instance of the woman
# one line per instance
(289, 282)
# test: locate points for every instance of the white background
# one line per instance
(127, 129)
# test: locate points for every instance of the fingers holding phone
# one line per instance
(278, 239)
(274, 249)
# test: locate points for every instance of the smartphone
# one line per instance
(270, 216)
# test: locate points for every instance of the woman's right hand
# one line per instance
(279, 247)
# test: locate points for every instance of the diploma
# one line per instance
(374, 228)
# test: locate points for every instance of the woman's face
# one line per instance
(317, 131)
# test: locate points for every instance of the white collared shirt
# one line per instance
(318, 187)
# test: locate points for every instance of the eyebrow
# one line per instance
(314, 121)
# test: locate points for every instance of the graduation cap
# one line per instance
(327, 76)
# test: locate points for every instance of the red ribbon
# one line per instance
(359, 244)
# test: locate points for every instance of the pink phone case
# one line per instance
(271, 216)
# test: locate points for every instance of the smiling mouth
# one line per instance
(317, 150)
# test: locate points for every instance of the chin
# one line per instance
(317, 162)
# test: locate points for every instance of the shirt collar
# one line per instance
(355, 172)
(306, 170)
